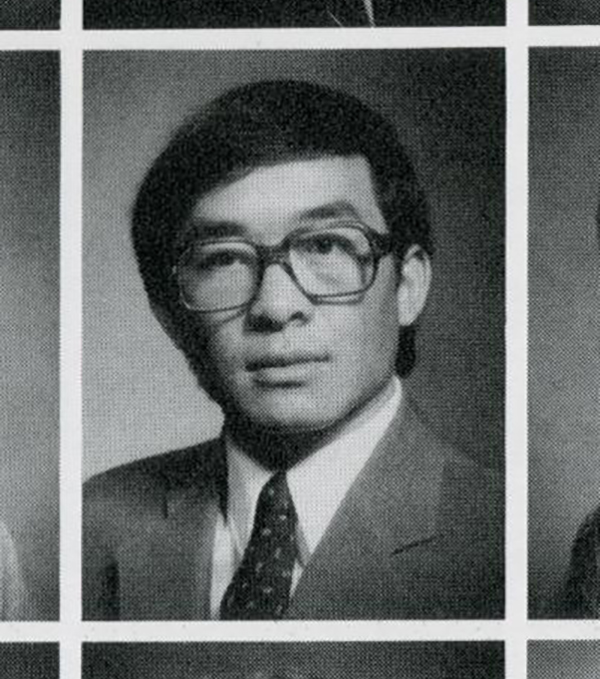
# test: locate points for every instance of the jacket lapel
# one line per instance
(388, 515)
(166, 574)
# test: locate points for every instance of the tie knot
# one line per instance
(275, 504)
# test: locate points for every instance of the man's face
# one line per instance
(288, 362)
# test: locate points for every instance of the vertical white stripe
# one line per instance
(516, 337)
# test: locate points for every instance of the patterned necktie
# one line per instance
(260, 589)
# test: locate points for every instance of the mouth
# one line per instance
(286, 369)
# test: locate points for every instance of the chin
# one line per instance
(291, 422)
(288, 417)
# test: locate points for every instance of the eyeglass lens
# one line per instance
(223, 274)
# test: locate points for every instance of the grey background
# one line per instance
(564, 12)
(563, 659)
(139, 397)
(564, 282)
(29, 316)
(308, 660)
(29, 661)
(29, 14)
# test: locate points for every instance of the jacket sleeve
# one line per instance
(13, 595)
(100, 576)
(579, 596)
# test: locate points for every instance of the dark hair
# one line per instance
(262, 124)
(580, 597)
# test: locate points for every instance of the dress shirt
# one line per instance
(318, 485)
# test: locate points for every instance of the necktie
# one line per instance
(260, 589)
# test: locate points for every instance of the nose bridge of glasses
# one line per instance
(269, 255)
(272, 254)
(278, 254)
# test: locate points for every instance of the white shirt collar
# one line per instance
(317, 484)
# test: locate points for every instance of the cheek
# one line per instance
(381, 318)
(371, 338)
(381, 335)
(222, 347)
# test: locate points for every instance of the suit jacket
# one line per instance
(287, 13)
(418, 535)
(13, 605)
(579, 597)
(564, 12)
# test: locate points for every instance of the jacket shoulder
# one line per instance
(145, 482)
(460, 470)
(470, 489)
(470, 526)
(464, 474)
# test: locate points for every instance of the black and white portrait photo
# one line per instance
(29, 15)
(308, 660)
(293, 335)
(561, 659)
(29, 660)
(114, 14)
(29, 332)
(564, 342)
(565, 12)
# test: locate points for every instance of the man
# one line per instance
(302, 660)
(580, 597)
(289, 13)
(285, 248)
(12, 588)
(564, 12)
(29, 15)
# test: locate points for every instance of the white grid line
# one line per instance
(516, 38)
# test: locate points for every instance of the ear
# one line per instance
(414, 285)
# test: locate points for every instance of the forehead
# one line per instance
(275, 199)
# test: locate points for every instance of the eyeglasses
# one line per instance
(223, 274)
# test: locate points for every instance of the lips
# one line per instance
(285, 360)
(289, 368)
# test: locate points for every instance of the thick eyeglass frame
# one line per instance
(380, 244)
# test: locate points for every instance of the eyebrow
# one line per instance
(335, 210)
(216, 229)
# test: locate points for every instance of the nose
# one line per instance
(279, 301)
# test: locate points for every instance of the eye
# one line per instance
(216, 257)
(322, 244)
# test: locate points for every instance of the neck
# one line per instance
(278, 449)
